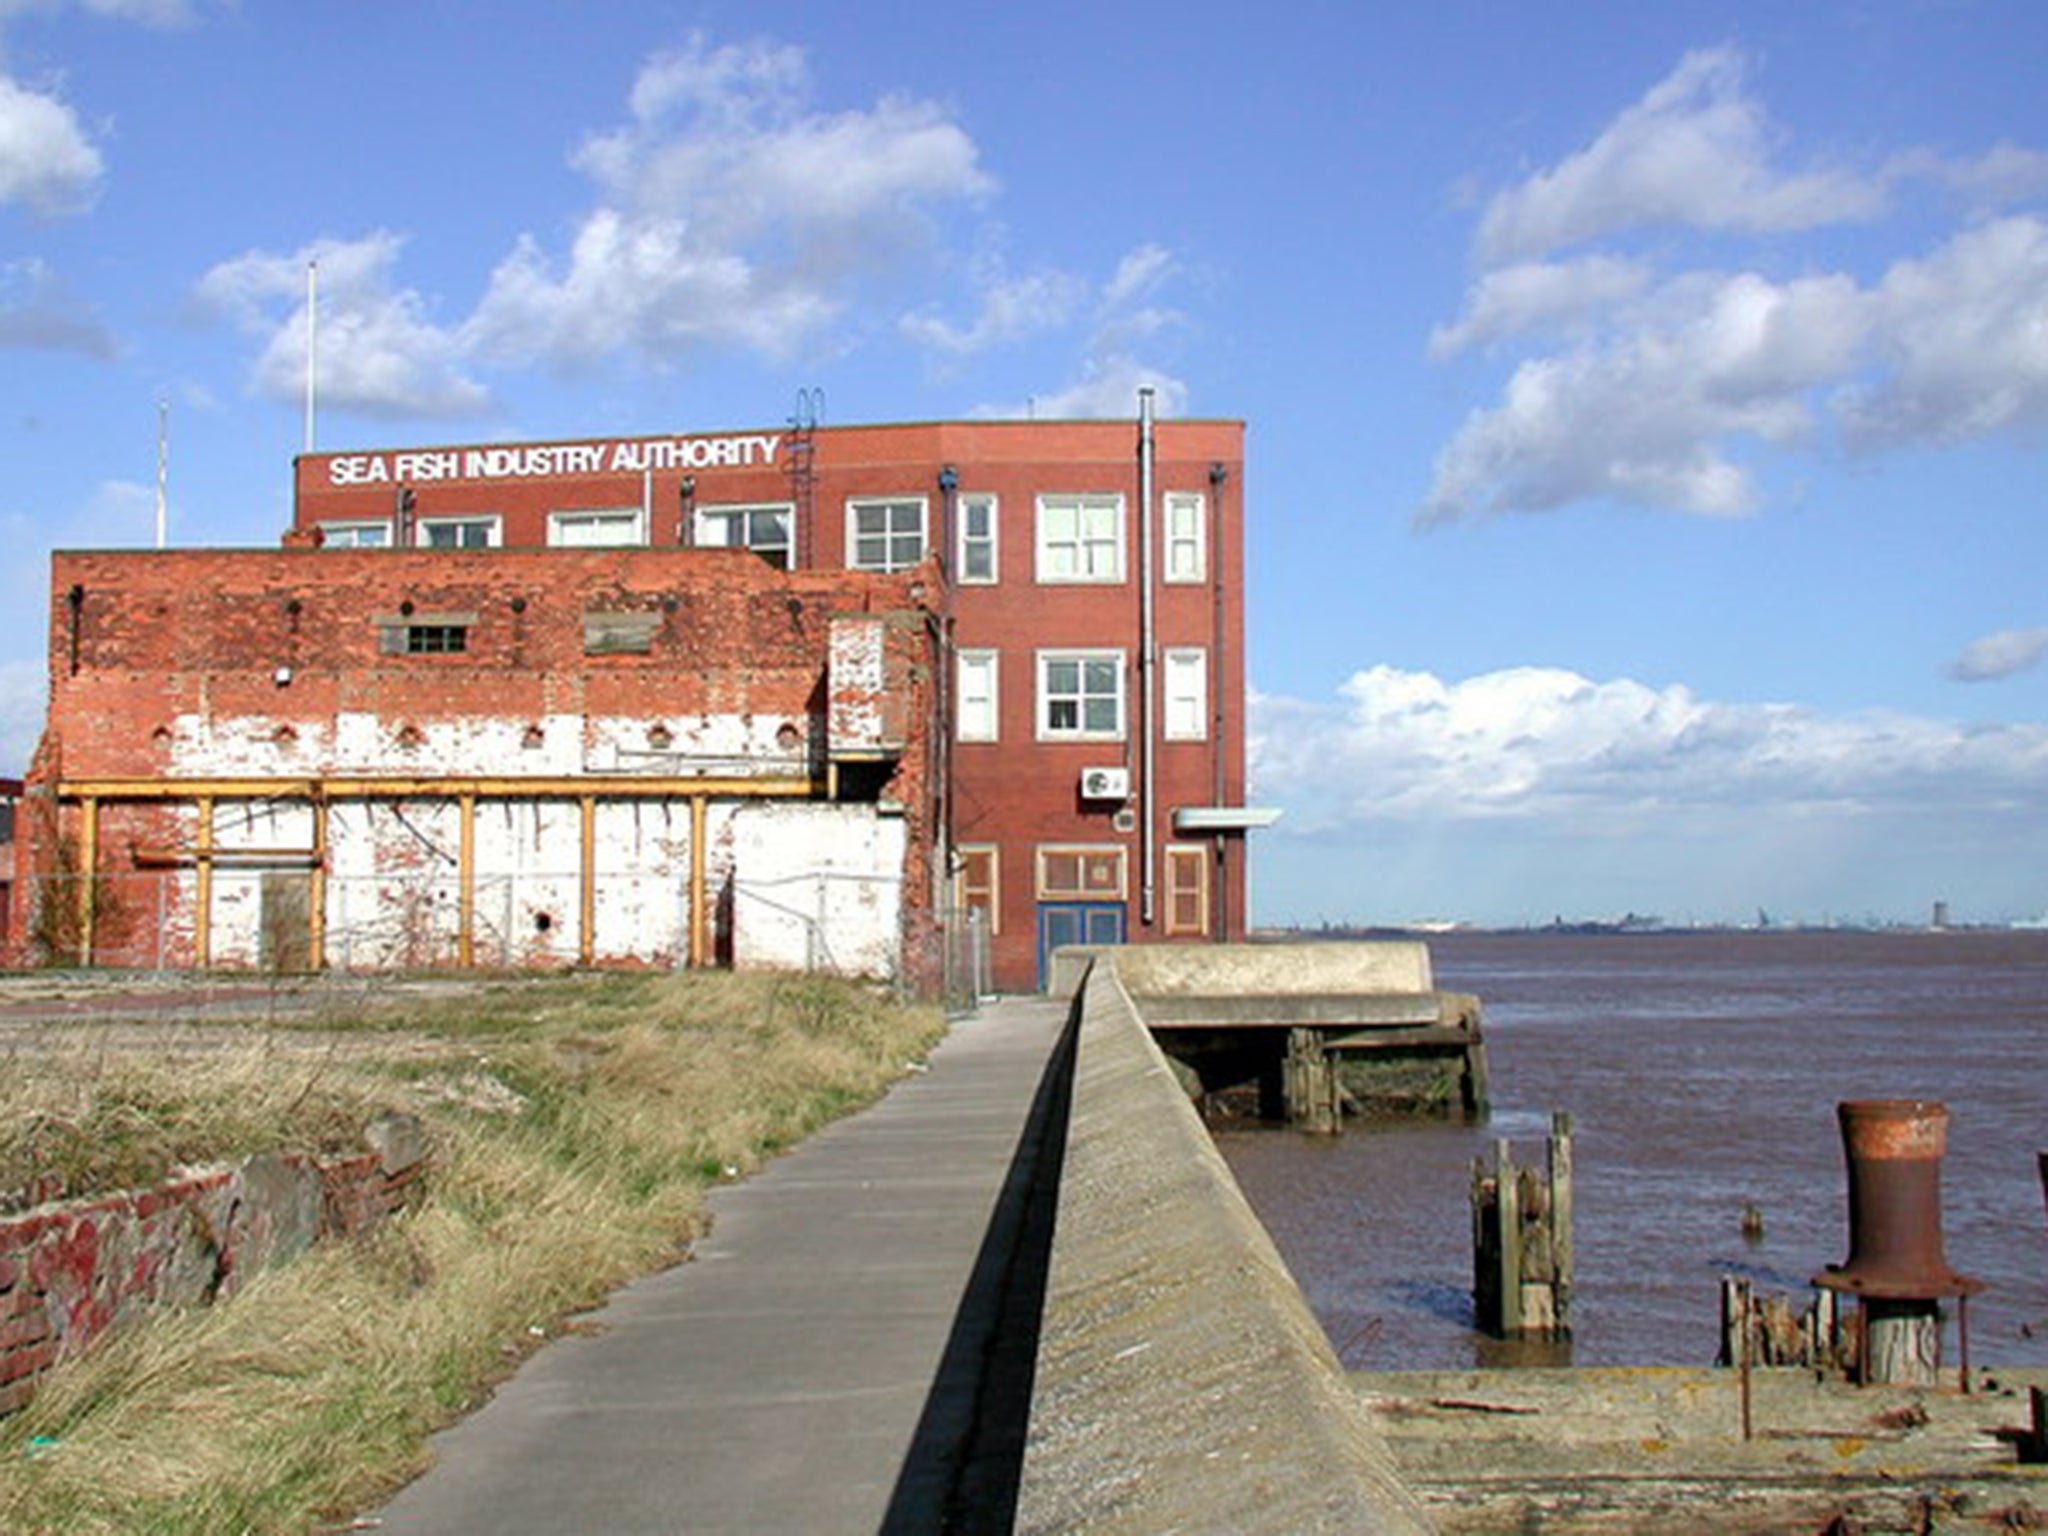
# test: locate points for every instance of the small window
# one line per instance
(1185, 537)
(436, 639)
(1081, 695)
(884, 535)
(976, 886)
(355, 535)
(423, 634)
(977, 540)
(1080, 538)
(976, 717)
(1187, 891)
(619, 634)
(459, 533)
(1187, 695)
(1081, 873)
(764, 530)
(620, 526)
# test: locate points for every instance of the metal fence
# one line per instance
(260, 920)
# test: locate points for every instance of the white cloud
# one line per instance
(376, 352)
(1653, 384)
(47, 162)
(2006, 173)
(1108, 386)
(2000, 655)
(1541, 295)
(39, 312)
(731, 212)
(1696, 151)
(1963, 339)
(24, 697)
(1012, 309)
(1644, 414)
(1539, 743)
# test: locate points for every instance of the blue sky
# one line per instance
(1646, 403)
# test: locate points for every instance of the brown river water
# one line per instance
(1701, 1072)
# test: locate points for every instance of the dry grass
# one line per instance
(575, 1125)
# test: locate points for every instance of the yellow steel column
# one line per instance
(465, 875)
(586, 924)
(699, 948)
(202, 917)
(88, 863)
(316, 900)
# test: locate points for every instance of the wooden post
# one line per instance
(586, 882)
(316, 905)
(465, 882)
(1311, 1084)
(1508, 1218)
(1561, 1216)
(88, 866)
(202, 916)
(1902, 1342)
(700, 929)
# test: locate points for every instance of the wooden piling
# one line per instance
(1522, 1242)
(1902, 1342)
(1311, 1084)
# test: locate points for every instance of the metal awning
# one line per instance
(1223, 818)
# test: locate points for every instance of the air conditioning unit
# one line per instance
(1105, 783)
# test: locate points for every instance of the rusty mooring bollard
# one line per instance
(1896, 1267)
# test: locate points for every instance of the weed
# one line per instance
(309, 1395)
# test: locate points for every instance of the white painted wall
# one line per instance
(818, 887)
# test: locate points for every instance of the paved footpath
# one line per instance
(790, 1378)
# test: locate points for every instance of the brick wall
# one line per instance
(69, 1272)
(590, 669)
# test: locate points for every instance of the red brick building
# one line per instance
(1069, 758)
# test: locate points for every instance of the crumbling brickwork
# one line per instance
(72, 1270)
(509, 757)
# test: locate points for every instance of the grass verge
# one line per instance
(575, 1123)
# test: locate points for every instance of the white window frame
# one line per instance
(968, 540)
(350, 535)
(1187, 537)
(632, 519)
(977, 707)
(712, 528)
(492, 524)
(1185, 711)
(1077, 555)
(1081, 696)
(855, 506)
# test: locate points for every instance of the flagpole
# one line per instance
(163, 457)
(312, 343)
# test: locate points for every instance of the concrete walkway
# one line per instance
(822, 1363)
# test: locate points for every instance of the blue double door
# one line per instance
(1075, 922)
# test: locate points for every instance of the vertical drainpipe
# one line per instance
(944, 701)
(1219, 919)
(1148, 839)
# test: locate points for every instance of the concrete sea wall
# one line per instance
(1182, 1384)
